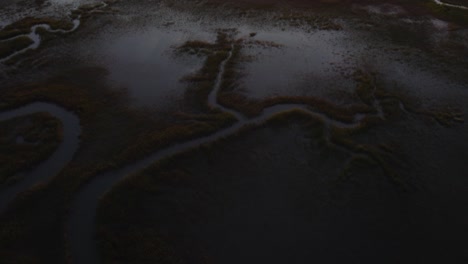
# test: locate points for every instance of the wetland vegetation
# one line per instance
(26, 141)
(248, 131)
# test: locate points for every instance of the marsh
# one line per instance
(253, 131)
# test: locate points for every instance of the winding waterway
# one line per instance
(36, 37)
(56, 162)
(81, 228)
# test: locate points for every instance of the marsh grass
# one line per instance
(447, 117)
(11, 46)
(365, 88)
(202, 82)
(116, 209)
(26, 57)
(197, 126)
(399, 104)
(373, 155)
(23, 26)
(113, 135)
(231, 98)
(396, 105)
(87, 10)
(126, 209)
(40, 135)
(372, 99)
(454, 15)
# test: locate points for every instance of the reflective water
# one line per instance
(303, 63)
(143, 62)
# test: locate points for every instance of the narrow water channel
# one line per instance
(81, 228)
(53, 164)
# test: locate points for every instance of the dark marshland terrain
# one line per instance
(240, 131)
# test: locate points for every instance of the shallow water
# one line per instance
(143, 62)
(141, 59)
(302, 65)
